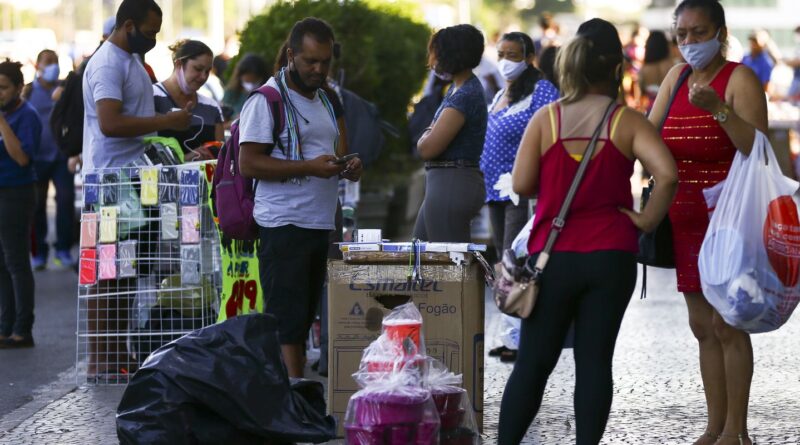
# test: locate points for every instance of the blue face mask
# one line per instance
(699, 55)
(50, 73)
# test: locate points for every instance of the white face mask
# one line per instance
(249, 86)
(511, 70)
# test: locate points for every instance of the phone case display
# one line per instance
(91, 188)
(110, 188)
(190, 265)
(169, 221)
(149, 177)
(168, 184)
(190, 225)
(87, 273)
(127, 259)
(107, 266)
(190, 187)
(108, 224)
(171, 246)
(88, 230)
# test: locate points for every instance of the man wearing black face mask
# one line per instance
(118, 111)
(296, 197)
(117, 92)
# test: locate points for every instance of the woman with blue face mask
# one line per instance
(526, 91)
(716, 112)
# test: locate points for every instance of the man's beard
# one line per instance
(297, 80)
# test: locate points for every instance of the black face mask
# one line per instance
(306, 88)
(10, 106)
(138, 43)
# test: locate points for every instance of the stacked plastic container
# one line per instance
(406, 397)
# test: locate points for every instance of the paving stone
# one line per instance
(658, 395)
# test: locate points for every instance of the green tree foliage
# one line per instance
(384, 49)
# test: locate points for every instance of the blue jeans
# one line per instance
(63, 180)
(16, 277)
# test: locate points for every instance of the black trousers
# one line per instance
(507, 220)
(593, 289)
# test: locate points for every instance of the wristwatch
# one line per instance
(721, 116)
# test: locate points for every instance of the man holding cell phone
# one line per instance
(297, 189)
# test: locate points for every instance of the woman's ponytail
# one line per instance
(572, 64)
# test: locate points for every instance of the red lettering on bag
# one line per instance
(781, 230)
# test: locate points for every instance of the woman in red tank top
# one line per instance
(592, 269)
(715, 112)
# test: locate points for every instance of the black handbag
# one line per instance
(655, 248)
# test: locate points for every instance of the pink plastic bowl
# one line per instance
(390, 407)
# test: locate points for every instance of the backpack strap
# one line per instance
(276, 107)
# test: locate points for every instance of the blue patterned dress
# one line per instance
(504, 133)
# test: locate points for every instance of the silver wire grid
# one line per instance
(149, 268)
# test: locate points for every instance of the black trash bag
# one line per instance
(222, 384)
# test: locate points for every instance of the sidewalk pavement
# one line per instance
(658, 396)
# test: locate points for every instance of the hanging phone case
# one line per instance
(108, 224)
(190, 224)
(107, 264)
(91, 189)
(127, 258)
(110, 188)
(88, 230)
(190, 187)
(169, 221)
(149, 178)
(190, 265)
(87, 273)
(168, 184)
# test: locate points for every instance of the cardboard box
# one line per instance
(450, 298)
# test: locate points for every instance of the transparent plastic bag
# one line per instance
(456, 416)
(751, 249)
(386, 357)
(394, 411)
(509, 336)
(520, 243)
(404, 325)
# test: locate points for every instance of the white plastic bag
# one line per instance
(509, 336)
(751, 288)
(505, 189)
(520, 243)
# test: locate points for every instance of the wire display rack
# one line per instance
(149, 269)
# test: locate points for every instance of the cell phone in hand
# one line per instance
(345, 158)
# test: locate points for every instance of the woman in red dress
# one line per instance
(716, 111)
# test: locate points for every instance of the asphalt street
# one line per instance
(26, 372)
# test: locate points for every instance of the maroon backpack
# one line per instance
(233, 194)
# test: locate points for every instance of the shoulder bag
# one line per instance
(517, 287)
